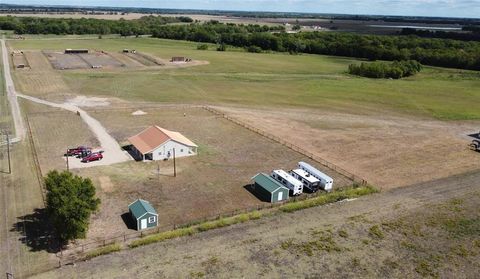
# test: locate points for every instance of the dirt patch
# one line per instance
(83, 101)
(138, 112)
(93, 59)
(106, 184)
(389, 151)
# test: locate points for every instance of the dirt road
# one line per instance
(12, 95)
(113, 153)
(264, 248)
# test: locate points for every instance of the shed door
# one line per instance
(143, 224)
(280, 195)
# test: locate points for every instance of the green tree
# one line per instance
(70, 202)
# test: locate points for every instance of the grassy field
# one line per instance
(279, 80)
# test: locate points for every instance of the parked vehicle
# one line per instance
(309, 181)
(295, 186)
(84, 153)
(77, 151)
(95, 156)
(326, 182)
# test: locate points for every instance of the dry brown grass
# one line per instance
(206, 185)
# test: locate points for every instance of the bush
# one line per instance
(395, 70)
(222, 47)
(254, 49)
(202, 47)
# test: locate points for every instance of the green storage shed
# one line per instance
(143, 214)
(268, 189)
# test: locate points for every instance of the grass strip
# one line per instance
(162, 236)
(115, 247)
(343, 194)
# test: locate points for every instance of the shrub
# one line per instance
(254, 49)
(202, 47)
(395, 70)
(222, 47)
(376, 232)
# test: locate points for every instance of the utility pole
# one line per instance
(68, 166)
(8, 155)
(174, 165)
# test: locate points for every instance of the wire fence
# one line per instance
(355, 178)
(36, 162)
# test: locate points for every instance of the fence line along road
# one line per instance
(36, 162)
(318, 159)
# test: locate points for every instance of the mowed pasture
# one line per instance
(207, 185)
(272, 79)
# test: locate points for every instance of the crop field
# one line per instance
(206, 185)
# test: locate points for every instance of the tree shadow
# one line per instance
(37, 232)
(128, 220)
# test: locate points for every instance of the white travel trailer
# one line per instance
(309, 181)
(326, 182)
(295, 186)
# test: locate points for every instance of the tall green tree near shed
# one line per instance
(70, 202)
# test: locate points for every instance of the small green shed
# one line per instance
(268, 189)
(143, 213)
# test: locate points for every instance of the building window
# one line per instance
(151, 219)
(181, 150)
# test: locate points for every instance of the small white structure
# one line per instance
(295, 186)
(326, 182)
(156, 143)
(309, 181)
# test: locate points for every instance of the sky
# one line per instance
(444, 8)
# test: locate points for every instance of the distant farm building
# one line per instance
(143, 214)
(180, 59)
(75, 51)
(268, 189)
(156, 143)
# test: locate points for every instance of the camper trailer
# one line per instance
(295, 186)
(326, 182)
(309, 181)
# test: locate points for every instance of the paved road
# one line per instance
(12, 95)
(113, 152)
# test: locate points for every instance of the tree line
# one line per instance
(256, 38)
(463, 36)
(428, 51)
(395, 70)
(81, 26)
